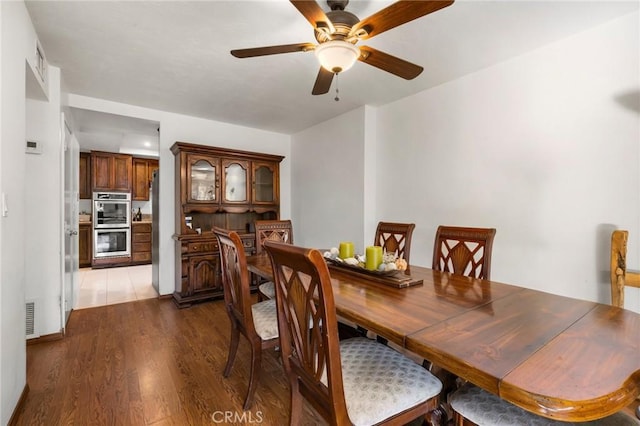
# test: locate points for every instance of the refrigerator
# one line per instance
(155, 231)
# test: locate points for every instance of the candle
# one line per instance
(373, 257)
(346, 249)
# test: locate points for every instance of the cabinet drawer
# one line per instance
(141, 227)
(141, 238)
(141, 257)
(203, 247)
(141, 247)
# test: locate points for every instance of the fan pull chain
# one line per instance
(337, 98)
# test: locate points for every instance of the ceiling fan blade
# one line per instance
(396, 14)
(389, 63)
(314, 14)
(323, 82)
(272, 50)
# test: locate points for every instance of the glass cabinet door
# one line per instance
(264, 183)
(202, 180)
(235, 183)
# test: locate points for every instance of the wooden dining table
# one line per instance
(556, 356)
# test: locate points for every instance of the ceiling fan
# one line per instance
(338, 31)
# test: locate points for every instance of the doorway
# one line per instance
(117, 134)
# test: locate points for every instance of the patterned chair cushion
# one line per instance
(380, 382)
(265, 319)
(268, 289)
(484, 409)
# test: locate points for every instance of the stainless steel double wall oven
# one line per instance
(111, 224)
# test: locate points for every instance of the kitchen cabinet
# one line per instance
(142, 176)
(215, 187)
(85, 244)
(153, 166)
(111, 172)
(140, 243)
(84, 179)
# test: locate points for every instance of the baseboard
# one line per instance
(23, 397)
(45, 338)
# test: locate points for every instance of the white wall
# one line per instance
(176, 127)
(541, 147)
(17, 40)
(328, 182)
(43, 209)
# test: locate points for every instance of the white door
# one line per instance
(71, 181)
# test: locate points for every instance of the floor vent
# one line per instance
(31, 319)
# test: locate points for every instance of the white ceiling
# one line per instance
(99, 131)
(174, 55)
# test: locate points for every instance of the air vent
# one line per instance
(31, 319)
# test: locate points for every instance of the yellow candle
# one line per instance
(346, 249)
(373, 257)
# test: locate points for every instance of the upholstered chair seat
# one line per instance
(265, 319)
(379, 381)
(484, 408)
(267, 290)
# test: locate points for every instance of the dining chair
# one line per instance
(463, 251)
(353, 381)
(257, 322)
(474, 406)
(271, 230)
(395, 238)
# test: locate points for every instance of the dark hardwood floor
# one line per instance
(149, 363)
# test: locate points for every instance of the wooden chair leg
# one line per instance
(427, 365)
(256, 361)
(296, 404)
(233, 350)
(437, 417)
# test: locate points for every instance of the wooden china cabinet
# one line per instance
(217, 187)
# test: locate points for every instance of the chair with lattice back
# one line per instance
(257, 322)
(463, 251)
(354, 381)
(395, 238)
(271, 230)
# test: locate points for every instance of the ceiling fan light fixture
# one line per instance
(337, 55)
